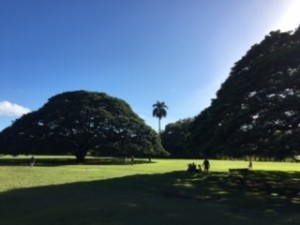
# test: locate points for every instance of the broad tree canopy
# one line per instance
(80, 122)
(257, 109)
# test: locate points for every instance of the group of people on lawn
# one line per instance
(192, 167)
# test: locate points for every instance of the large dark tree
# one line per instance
(159, 111)
(257, 110)
(80, 122)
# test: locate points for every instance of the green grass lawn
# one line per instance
(55, 191)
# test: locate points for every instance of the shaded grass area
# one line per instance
(260, 197)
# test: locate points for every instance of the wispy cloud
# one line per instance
(11, 109)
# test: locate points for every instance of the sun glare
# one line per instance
(291, 18)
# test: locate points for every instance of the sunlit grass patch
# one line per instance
(115, 193)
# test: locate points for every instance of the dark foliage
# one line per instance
(174, 138)
(80, 122)
(257, 109)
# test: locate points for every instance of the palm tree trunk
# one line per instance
(159, 130)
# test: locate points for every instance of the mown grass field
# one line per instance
(56, 191)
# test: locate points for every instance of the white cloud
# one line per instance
(12, 109)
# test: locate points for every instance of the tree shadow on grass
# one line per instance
(173, 198)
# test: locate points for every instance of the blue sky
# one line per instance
(176, 51)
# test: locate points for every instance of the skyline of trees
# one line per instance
(81, 122)
(256, 113)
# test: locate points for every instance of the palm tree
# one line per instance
(159, 111)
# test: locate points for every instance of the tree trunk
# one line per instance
(159, 131)
(80, 156)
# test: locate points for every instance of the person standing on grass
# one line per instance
(32, 161)
(250, 164)
(206, 165)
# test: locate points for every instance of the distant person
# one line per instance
(250, 164)
(199, 168)
(206, 165)
(32, 161)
